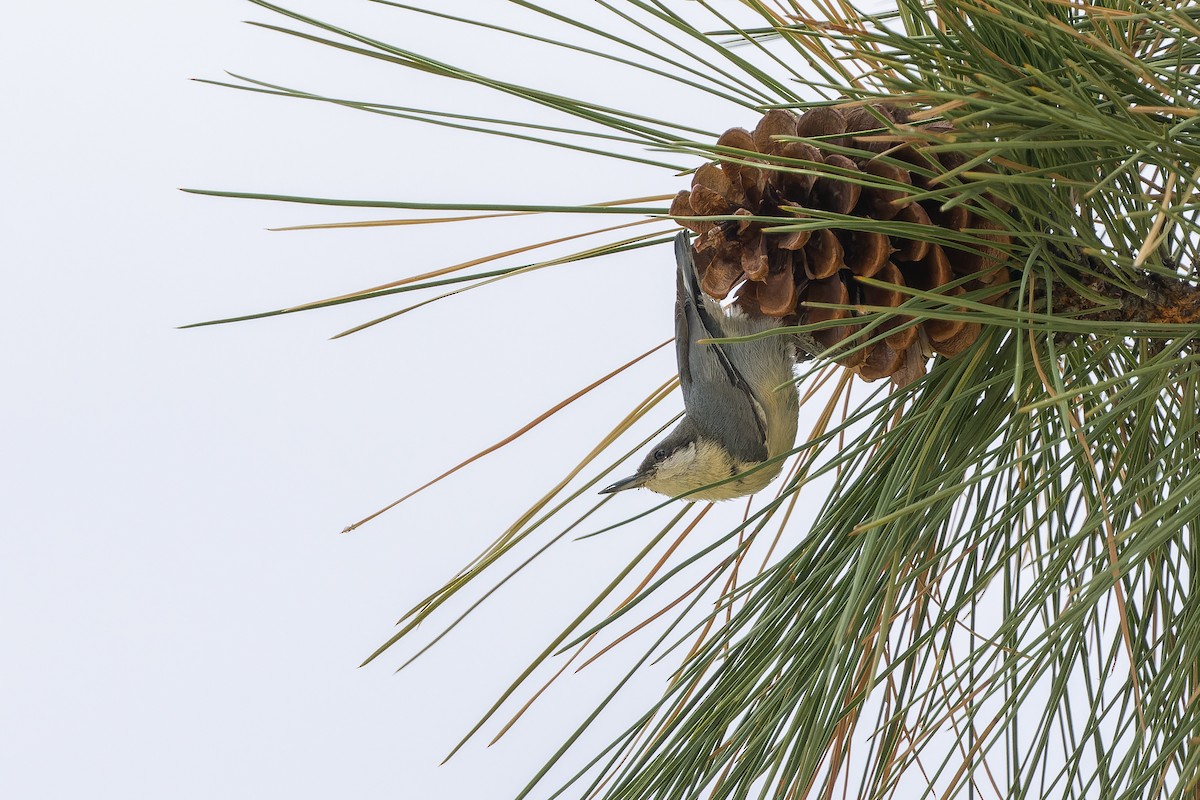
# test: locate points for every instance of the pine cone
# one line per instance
(780, 273)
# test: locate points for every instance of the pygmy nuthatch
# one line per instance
(739, 399)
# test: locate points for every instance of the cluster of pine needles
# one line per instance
(997, 595)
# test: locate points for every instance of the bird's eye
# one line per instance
(660, 454)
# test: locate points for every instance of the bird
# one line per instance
(741, 406)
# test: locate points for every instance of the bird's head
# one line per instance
(681, 462)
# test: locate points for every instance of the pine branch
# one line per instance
(997, 588)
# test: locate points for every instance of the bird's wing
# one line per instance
(730, 413)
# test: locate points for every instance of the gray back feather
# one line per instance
(717, 398)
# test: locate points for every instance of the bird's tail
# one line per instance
(685, 262)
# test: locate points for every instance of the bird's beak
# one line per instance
(632, 482)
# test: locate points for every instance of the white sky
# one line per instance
(181, 616)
